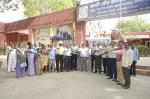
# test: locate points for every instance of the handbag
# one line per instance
(22, 65)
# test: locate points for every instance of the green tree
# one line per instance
(37, 7)
(6, 5)
(136, 24)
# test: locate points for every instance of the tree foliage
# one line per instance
(136, 24)
(6, 5)
(37, 7)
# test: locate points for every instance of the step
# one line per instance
(143, 72)
(143, 67)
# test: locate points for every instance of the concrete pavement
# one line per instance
(70, 85)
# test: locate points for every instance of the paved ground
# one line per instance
(70, 85)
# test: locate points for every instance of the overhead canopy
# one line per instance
(138, 35)
(63, 17)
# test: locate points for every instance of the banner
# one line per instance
(62, 33)
(105, 9)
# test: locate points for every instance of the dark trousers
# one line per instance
(105, 65)
(67, 63)
(115, 69)
(109, 66)
(92, 61)
(133, 68)
(112, 70)
(59, 63)
(74, 62)
(98, 61)
(126, 74)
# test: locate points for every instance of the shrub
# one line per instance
(143, 50)
(2, 51)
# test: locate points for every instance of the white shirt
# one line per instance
(51, 53)
(93, 50)
(84, 52)
(60, 50)
(74, 49)
(127, 57)
(67, 52)
(12, 53)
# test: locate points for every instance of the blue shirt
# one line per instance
(35, 48)
(51, 53)
(135, 54)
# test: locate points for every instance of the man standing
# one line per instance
(93, 50)
(59, 57)
(74, 51)
(112, 71)
(98, 58)
(127, 59)
(51, 58)
(67, 58)
(12, 59)
(84, 52)
(135, 59)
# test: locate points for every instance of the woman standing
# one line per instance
(45, 56)
(39, 62)
(21, 58)
(30, 56)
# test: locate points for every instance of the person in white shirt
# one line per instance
(59, 57)
(67, 58)
(127, 59)
(105, 58)
(11, 59)
(98, 58)
(51, 58)
(93, 50)
(84, 54)
(112, 70)
(74, 51)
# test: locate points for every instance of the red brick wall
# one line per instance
(16, 37)
(57, 18)
(80, 33)
(23, 38)
(2, 40)
(12, 37)
(2, 27)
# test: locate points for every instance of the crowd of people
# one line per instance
(115, 60)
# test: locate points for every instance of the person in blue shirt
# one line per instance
(135, 59)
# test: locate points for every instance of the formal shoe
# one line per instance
(114, 80)
(123, 85)
(134, 75)
(106, 75)
(126, 87)
(119, 83)
(95, 72)
(109, 78)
